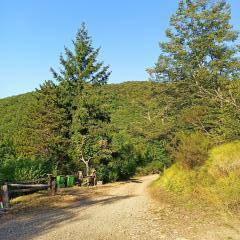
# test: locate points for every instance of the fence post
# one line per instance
(5, 196)
(51, 185)
(54, 186)
(80, 178)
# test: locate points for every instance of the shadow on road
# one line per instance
(23, 226)
(108, 200)
(135, 180)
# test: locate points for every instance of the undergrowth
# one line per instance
(216, 182)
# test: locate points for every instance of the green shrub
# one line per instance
(217, 181)
(103, 173)
(122, 169)
(155, 152)
(119, 169)
(150, 168)
(192, 150)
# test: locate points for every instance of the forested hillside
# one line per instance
(129, 103)
(133, 110)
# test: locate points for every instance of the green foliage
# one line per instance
(16, 169)
(16, 123)
(130, 137)
(192, 150)
(155, 152)
(200, 65)
(72, 113)
(103, 173)
(123, 164)
(150, 168)
(199, 46)
(89, 130)
(121, 169)
(51, 123)
(6, 149)
(130, 156)
(217, 181)
(81, 65)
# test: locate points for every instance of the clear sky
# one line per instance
(34, 32)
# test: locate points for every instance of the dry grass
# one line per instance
(185, 212)
(63, 198)
(217, 182)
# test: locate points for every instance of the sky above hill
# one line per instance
(33, 34)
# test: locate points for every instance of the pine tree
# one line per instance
(52, 125)
(90, 128)
(79, 67)
(73, 106)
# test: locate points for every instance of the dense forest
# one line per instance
(185, 119)
(134, 144)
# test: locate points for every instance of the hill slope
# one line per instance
(131, 104)
(135, 134)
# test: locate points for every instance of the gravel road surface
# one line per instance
(121, 211)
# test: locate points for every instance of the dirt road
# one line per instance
(122, 211)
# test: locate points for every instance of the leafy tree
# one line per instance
(199, 49)
(199, 63)
(124, 143)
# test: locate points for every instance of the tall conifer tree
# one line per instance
(70, 99)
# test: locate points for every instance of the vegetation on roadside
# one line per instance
(217, 181)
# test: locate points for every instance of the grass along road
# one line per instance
(122, 210)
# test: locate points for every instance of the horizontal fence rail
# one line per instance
(36, 181)
(9, 189)
(16, 185)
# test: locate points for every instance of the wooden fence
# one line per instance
(9, 189)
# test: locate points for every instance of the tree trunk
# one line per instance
(87, 168)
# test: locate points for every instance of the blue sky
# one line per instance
(33, 34)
